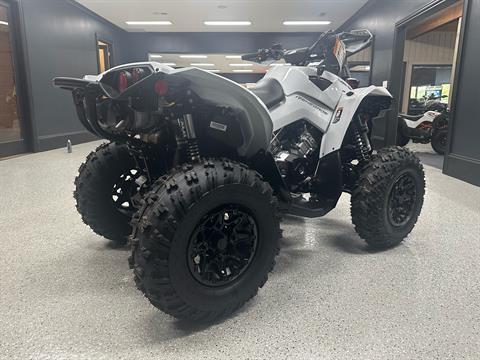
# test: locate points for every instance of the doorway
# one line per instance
(425, 54)
(104, 55)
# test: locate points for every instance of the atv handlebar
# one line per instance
(353, 41)
(250, 56)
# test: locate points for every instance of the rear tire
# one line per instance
(170, 267)
(439, 141)
(95, 184)
(388, 197)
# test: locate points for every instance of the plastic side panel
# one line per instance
(295, 79)
(297, 107)
(256, 126)
(428, 116)
(333, 138)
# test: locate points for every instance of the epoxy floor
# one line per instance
(65, 294)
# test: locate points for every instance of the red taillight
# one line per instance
(161, 87)
(123, 81)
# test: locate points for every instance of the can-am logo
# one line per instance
(318, 107)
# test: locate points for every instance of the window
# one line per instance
(10, 129)
(429, 82)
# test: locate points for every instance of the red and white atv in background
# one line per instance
(431, 126)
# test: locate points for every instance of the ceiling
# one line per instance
(189, 15)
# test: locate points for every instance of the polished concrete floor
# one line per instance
(65, 294)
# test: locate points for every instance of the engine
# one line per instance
(296, 151)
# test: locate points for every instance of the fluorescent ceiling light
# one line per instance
(242, 70)
(169, 64)
(202, 64)
(3, 23)
(214, 70)
(227, 23)
(155, 56)
(242, 65)
(233, 56)
(193, 56)
(161, 22)
(306, 22)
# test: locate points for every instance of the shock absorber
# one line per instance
(361, 140)
(189, 137)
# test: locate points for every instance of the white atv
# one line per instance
(203, 168)
(429, 127)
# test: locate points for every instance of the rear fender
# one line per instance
(255, 122)
(254, 119)
(344, 114)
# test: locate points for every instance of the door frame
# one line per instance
(21, 80)
(396, 72)
(110, 42)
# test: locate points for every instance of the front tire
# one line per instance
(388, 197)
(205, 240)
(103, 191)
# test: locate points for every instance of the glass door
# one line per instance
(11, 134)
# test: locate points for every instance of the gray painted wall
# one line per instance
(60, 41)
(380, 17)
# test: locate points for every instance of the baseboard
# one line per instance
(13, 148)
(462, 168)
(60, 140)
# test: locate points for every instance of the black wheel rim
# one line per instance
(124, 191)
(402, 199)
(222, 246)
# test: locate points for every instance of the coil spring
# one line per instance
(187, 137)
(193, 150)
(362, 144)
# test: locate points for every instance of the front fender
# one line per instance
(344, 114)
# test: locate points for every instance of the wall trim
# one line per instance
(55, 141)
(433, 5)
(462, 167)
(456, 82)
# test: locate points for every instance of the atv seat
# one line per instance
(411, 117)
(269, 91)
